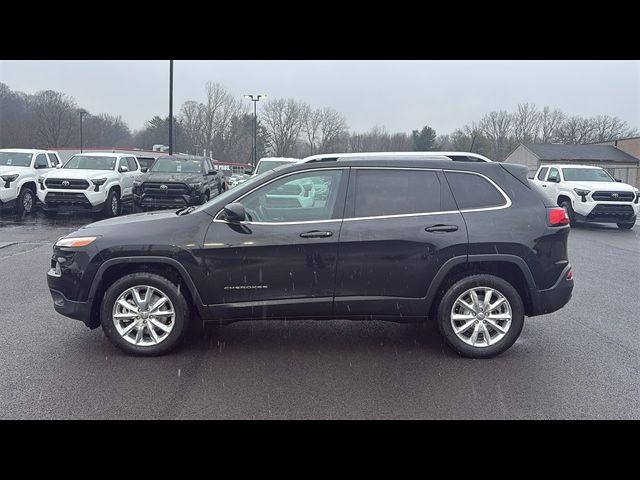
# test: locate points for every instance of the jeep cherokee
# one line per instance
(470, 244)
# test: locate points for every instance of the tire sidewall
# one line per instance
(482, 280)
(107, 206)
(20, 201)
(168, 288)
(569, 208)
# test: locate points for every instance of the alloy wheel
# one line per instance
(481, 316)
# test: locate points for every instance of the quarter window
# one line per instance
(473, 191)
(543, 173)
(303, 197)
(395, 192)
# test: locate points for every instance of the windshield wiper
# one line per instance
(185, 210)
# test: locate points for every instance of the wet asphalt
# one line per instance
(582, 362)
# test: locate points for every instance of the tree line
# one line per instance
(221, 126)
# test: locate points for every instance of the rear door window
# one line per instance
(473, 191)
(386, 192)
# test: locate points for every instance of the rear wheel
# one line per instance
(144, 314)
(566, 204)
(112, 205)
(626, 226)
(25, 201)
(481, 316)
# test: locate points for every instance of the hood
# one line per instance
(171, 177)
(78, 173)
(602, 186)
(11, 170)
(138, 218)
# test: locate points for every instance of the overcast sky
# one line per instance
(401, 95)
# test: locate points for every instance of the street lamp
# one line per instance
(255, 99)
(82, 112)
(170, 107)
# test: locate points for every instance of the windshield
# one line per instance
(177, 165)
(586, 175)
(264, 165)
(88, 162)
(15, 159)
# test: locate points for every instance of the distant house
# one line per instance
(617, 162)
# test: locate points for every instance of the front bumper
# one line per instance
(72, 200)
(166, 201)
(606, 212)
(554, 298)
(76, 310)
(7, 195)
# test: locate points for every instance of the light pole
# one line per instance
(170, 107)
(255, 99)
(82, 112)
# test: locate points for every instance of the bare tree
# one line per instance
(54, 117)
(577, 130)
(283, 120)
(526, 123)
(611, 128)
(550, 124)
(311, 129)
(332, 127)
(497, 126)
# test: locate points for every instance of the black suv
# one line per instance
(176, 181)
(469, 244)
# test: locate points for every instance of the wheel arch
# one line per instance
(562, 197)
(508, 267)
(115, 268)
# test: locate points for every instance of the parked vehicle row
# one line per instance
(399, 237)
(108, 181)
(589, 194)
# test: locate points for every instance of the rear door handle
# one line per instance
(316, 234)
(441, 228)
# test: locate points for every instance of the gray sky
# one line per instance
(401, 95)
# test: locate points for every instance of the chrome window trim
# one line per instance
(352, 219)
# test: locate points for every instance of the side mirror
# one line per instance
(234, 212)
(59, 165)
(212, 172)
(144, 169)
(248, 171)
(123, 169)
(618, 180)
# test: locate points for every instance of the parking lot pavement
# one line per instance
(580, 362)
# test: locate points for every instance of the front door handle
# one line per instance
(544, 185)
(441, 228)
(316, 234)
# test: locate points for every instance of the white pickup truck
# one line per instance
(19, 170)
(589, 194)
(90, 182)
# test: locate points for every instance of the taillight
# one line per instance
(558, 216)
(570, 275)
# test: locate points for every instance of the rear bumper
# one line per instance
(554, 298)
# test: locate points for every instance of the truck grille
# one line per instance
(172, 189)
(67, 198)
(612, 210)
(613, 196)
(67, 184)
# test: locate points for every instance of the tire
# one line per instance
(112, 205)
(145, 347)
(626, 226)
(26, 201)
(570, 213)
(205, 198)
(502, 341)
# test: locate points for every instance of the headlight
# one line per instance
(97, 182)
(196, 185)
(8, 179)
(40, 180)
(136, 183)
(75, 241)
(637, 195)
(583, 193)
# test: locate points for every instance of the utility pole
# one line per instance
(170, 107)
(255, 99)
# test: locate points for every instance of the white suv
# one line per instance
(90, 182)
(19, 169)
(589, 194)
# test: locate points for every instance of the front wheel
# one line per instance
(112, 205)
(481, 316)
(626, 226)
(570, 213)
(144, 314)
(25, 201)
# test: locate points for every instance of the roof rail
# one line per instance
(454, 156)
